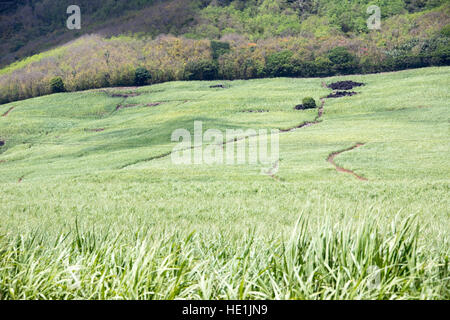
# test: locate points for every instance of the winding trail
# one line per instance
(272, 171)
(309, 123)
(7, 112)
(333, 155)
(276, 164)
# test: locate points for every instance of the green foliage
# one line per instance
(323, 66)
(196, 19)
(343, 61)
(279, 64)
(257, 40)
(309, 103)
(446, 31)
(219, 48)
(201, 70)
(57, 85)
(142, 76)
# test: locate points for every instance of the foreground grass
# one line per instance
(332, 261)
(92, 217)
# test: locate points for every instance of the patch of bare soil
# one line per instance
(255, 111)
(7, 112)
(124, 95)
(340, 94)
(302, 107)
(118, 94)
(154, 104)
(333, 155)
(309, 123)
(345, 85)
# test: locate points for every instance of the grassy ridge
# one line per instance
(93, 218)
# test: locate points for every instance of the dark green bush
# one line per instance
(279, 64)
(343, 61)
(57, 85)
(201, 70)
(309, 103)
(323, 67)
(142, 76)
(219, 48)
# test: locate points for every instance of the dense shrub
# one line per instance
(242, 63)
(343, 61)
(279, 64)
(142, 76)
(322, 67)
(219, 48)
(201, 70)
(57, 85)
(309, 103)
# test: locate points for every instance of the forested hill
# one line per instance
(139, 42)
(29, 26)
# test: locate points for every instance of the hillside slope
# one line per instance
(405, 41)
(62, 133)
(29, 27)
(92, 200)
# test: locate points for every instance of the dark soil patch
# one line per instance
(340, 94)
(302, 107)
(124, 95)
(115, 94)
(309, 123)
(255, 111)
(345, 85)
(218, 86)
(6, 113)
(153, 104)
(124, 106)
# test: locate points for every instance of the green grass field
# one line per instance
(88, 210)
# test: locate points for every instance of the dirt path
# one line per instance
(333, 155)
(275, 166)
(309, 123)
(7, 112)
(303, 125)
